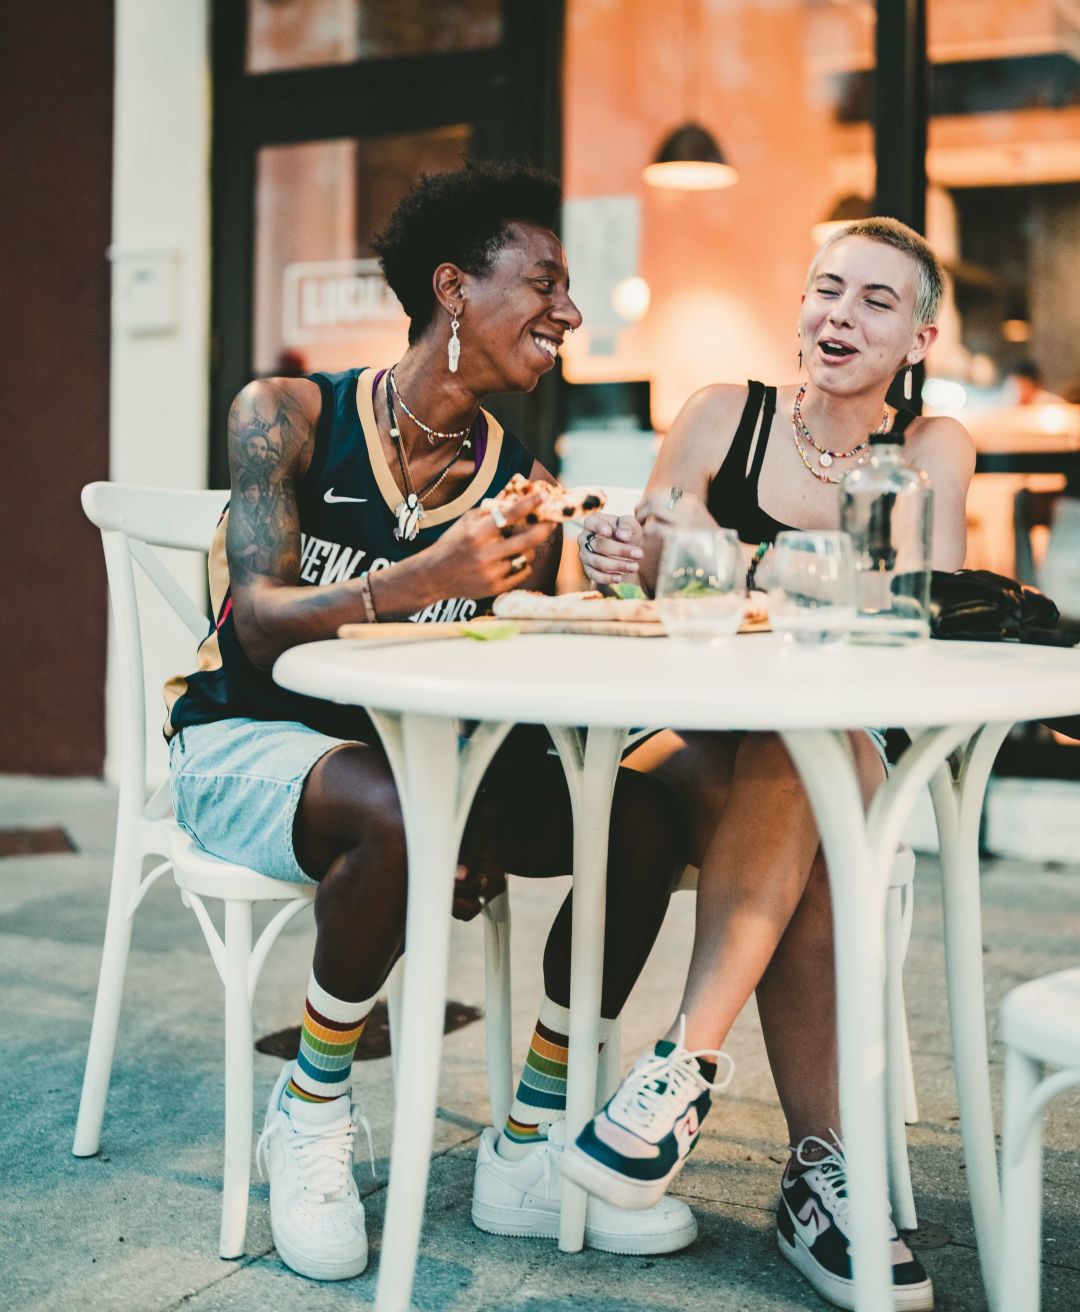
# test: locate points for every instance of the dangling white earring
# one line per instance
(907, 383)
(453, 346)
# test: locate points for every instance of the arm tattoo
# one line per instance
(267, 434)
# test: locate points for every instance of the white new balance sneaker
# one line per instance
(306, 1152)
(522, 1198)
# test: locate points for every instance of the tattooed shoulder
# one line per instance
(270, 438)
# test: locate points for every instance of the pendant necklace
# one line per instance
(409, 511)
(801, 433)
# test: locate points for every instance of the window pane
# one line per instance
(320, 300)
(778, 87)
(1004, 211)
(306, 33)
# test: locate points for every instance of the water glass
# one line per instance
(812, 586)
(699, 587)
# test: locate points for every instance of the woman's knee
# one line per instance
(350, 804)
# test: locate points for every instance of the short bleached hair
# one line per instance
(929, 275)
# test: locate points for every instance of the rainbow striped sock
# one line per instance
(328, 1039)
(541, 1092)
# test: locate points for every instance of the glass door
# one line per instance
(325, 114)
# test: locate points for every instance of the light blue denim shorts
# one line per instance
(236, 784)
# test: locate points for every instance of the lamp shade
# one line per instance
(690, 160)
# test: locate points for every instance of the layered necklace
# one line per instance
(825, 457)
(409, 511)
(433, 434)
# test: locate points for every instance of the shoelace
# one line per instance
(833, 1171)
(658, 1086)
(324, 1154)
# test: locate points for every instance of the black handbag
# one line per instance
(976, 605)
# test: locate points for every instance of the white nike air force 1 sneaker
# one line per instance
(306, 1152)
(522, 1198)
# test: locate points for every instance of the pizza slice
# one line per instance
(558, 504)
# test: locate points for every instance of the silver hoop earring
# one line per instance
(453, 346)
(907, 383)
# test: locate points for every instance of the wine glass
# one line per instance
(812, 586)
(699, 587)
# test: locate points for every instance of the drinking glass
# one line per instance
(812, 586)
(699, 588)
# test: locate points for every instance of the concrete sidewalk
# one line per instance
(136, 1227)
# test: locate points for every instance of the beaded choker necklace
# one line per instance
(801, 433)
(433, 434)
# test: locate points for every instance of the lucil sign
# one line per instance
(331, 298)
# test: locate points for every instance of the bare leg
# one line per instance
(349, 835)
(764, 911)
(753, 875)
(797, 994)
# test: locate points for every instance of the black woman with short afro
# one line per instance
(461, 218)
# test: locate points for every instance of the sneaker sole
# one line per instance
(313, 1269)
(517, 1223)
(632, 1195)
(840, 1292)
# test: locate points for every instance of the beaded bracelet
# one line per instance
(759, 556)
(368, 600)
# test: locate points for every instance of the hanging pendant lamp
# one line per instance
(690, 158)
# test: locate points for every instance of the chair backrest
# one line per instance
(135, 522)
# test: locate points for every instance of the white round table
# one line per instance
(590, 692)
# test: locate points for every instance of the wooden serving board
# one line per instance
(385, 635)
(391, 634)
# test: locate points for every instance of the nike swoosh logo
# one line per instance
(809, 1223)
(686, 1128)
(331, 499)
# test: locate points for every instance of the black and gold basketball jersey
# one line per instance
(345, 503)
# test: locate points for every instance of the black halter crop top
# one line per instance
(733, 499)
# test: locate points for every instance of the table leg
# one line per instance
(859, 850)
(436, 780)
(590, 775)
(823, 759)
(958, 808)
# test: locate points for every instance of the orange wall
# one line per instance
(725, 268)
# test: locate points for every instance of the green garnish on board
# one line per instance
(491, 632)
(628, 591)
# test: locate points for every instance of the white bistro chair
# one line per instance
(135, 522)
(1040, 1025)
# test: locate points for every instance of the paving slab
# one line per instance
(135, 1228)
